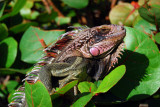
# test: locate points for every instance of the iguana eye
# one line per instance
(104, 30)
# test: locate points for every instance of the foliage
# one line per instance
(24, 23)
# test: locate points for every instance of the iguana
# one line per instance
(96, 48)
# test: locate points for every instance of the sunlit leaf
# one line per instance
(62, 20)
(87, 87)
(64, 89)
(123, 14)
(76, 3)
(143, 25)
(111, 79)
(30, 45)
(82, 101)
(8, 48)
(37, 95)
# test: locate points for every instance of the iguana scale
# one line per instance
(96, 48)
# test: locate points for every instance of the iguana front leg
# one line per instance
(67, 70)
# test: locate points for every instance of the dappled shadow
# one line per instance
(136, 65)
(3, 54)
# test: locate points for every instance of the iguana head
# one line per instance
(104, 39)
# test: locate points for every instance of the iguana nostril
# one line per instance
(94, 51)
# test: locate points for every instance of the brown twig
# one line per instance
(5, 82)
(55, 8)
(113, 2)
(157, 27)
(47, 6)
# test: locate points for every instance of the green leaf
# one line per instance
(111, 79)
(62, 20)
(9, 71)
(64, 89)
(122, 14)
(18, 5)
(2, 6)
(157, 38)
(11, 95)
(78, 4)
(141, 58)
(45, 17)
(26, 11)
(87, 87)
(82, 101)
(71, 13)
(37, 95)
(97, 83)
(143, 25)
(149, 2)
(8, 52)
(151, 14)
(3, 31)
(30, 45)
(22, 27)
(11, 85)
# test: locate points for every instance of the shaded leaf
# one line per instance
(157, 38)
(151, 14)
(3, 31)
(31, 47)
(37, 95)
(18, 5)
(8, 48)
(90, 104)
(2, 6)
(141, 58)
(8, 71)
(10, 87)
(45, 17)
(22, 27)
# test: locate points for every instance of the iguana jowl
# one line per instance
(96, 48)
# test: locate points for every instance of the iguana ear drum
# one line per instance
(94, 51)
(104, 29)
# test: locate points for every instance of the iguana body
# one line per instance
(96, 48)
